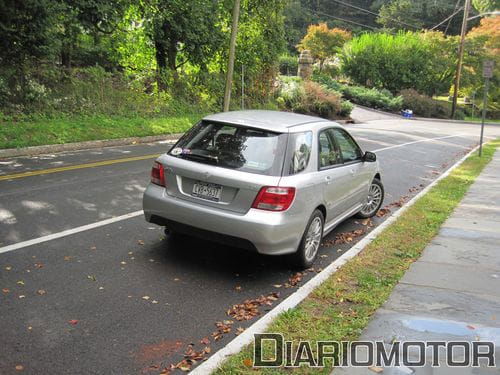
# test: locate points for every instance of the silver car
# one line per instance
(272, 182)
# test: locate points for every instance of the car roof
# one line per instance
(269, 120)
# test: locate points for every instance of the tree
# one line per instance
(186, 28)
(323, 42)
(483, 6)
(421, 14)
(483, 43)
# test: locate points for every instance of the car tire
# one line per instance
(374, 200)
(310, 243)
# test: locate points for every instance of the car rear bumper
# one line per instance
(273, 233)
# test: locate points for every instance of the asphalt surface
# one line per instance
(123, 299)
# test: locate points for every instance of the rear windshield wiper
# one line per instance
(201, 157)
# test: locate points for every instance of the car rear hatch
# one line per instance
(223, 165)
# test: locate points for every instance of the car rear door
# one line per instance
(352, 159)
(335, 177)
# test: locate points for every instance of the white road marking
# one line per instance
(68, 232)
(237, 344)
(419, 141)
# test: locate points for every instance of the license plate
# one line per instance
(207, 191)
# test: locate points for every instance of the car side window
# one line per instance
(328, 153)
(348, 147)
(300, 145)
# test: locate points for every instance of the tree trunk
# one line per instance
(172, 62)
(66, 56)
(161, 65)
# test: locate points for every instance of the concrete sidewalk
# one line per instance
(453, 291)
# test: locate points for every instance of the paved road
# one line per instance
(121, 298)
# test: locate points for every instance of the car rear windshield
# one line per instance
(236, 147)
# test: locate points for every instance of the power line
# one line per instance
(317, 12)
(375, 14)
(448, 18)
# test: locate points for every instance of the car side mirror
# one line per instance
(370, 157)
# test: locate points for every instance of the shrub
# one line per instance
(346, 108)
(310, 98)
(373, 98)
(318, 101)
(289, 65)
(425, 106)
(401, 61)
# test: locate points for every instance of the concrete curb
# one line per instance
(235, 346)
(49, 149)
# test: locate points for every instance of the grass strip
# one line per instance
(342, 306)
(77, 129)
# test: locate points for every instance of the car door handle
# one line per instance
(328, 180)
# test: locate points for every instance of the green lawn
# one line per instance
(66, 130)
(478, 119)
(342, 306)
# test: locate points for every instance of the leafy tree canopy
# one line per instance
(324, 42)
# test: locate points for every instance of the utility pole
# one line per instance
(232, 47)
(460, 58)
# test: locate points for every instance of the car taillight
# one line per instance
(274, 198)
(158, 174)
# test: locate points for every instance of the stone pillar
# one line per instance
(305, 65)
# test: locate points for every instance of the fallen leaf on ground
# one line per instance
(238, 288)
(146, 298)
(38, 265)
(19, 367)
(470, 326)
(277, 285)
(123, 262)
(205, 341)
(66, 258)
(183, 365)
(8, 268)
(344, 237)
(93, 248)
(176, 279)
(20, 282)
(5, 290)
(366, 222)
(41, 292)
(294, 280)
(73, 322)
(140, 242)
(165, 371)
(91, 277)
(239, 331)
(22, 296)
(382, 212)
(377, 370)
(247, 362)
(250, 307)
(154, 301)
(222, 327)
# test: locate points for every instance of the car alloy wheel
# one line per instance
(313, 239)
(374, 200)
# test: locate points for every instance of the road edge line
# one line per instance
(245, 338)
(68, 232)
